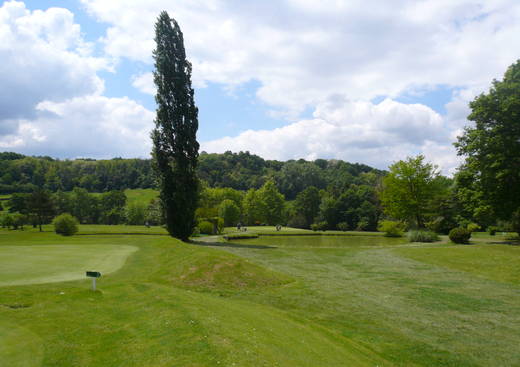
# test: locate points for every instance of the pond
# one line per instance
(322, 241)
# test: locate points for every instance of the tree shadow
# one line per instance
(232, 245)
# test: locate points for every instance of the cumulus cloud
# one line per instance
(144, 82)
(304, 51)
(89, 126)
(43, 58)
(51, 97)
(375, 134)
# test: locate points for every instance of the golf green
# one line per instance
(58, 263)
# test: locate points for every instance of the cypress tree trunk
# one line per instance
(175, 149)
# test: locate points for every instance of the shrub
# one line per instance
(297, 221)
(473, 227)
(320, 226)
(65, 224)
(343, 226)
(492, 230)
(206, 227)
(391, 228)
(422, 236)
(196, 232)
(362, 225)
(460, 235)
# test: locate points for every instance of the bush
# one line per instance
(473, 227)
(460, 235)
(492, 230)
(362, 225)
(422, 236)
(65, 224)
(297, 221)
(206, 227)
(320, 226)
(196, 232)
(391, 228)
(343, 226)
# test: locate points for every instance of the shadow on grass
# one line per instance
(233, 245)
(121, 233)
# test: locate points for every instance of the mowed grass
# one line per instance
(349, 301)
(58, 263)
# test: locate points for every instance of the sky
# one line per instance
(370, 81)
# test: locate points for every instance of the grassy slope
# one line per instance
(143, 196)
(146, 314)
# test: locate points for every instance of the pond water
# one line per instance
(322, 241)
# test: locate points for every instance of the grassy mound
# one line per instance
(215, 270)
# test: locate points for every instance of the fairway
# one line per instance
(58, 263)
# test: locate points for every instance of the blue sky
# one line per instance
(287, 79)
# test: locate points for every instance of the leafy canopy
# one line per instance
(491, 172)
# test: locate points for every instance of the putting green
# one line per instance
(57, 263)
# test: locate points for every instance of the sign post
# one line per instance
(93, 275)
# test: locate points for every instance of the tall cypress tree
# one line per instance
(175, 149)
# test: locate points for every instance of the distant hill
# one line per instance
(19, 173)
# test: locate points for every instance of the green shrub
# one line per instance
(297, 221)
(320, 226)
(362, 225)
(460, 235)
(205, 227)
(422, 236)
(492, 230)
(473, 227)
(343, 226)
(65, 224)
(391, 228)
(6, 220)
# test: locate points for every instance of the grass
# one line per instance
(142, 196)
(58, 263)
(309, 301)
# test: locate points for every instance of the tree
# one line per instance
(254, 208)
(409, 190)
(273, 202)
(492, 148)
(136, 213)
(18, 203)
(40, 207)
(307, 204)
(175, 147)
(230, 212)
(112, 206)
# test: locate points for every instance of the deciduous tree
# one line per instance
(492, 148)
(409, 189)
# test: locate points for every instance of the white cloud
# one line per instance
(302, 52)
(44, 57)
(354, 131)
(144, 82)
(89, 126)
